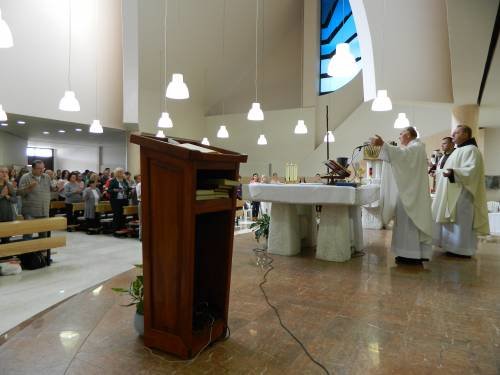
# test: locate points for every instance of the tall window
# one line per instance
(337, 26)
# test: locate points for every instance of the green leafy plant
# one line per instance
(261, 227)
(135, 291)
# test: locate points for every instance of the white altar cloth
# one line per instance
(494, 219)
(340, 231)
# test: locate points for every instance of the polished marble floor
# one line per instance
(365, 316)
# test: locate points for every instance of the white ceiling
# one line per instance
(470, 25)
(34, 128)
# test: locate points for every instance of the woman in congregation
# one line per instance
(118, 190)
(91, 197)
(7, 198)
(72, 194)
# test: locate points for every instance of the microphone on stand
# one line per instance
(361, 146)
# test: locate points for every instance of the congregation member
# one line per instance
(73, 194)
(118, 190)
(35, 188)
(412, 231)
(138, 191)
(61, 182)
(91, 197)
(275, 179)
(7, 199)
(255, 204)
(460, 205)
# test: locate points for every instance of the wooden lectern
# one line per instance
(187, 244)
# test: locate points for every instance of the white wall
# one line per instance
(34, 71)
(12, 149)
(74, 156)
(130, 61)
(283, 147)
(491, 153)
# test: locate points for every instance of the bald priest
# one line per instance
(460, 205)
(412, 231)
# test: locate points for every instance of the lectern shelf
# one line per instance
(187, 243)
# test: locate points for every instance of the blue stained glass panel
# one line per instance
(337, 26)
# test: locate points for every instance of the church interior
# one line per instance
(226, 183)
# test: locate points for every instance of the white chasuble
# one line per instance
(461, 205)
(412, 232)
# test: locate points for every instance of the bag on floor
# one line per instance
(10, 267)
(33, 261)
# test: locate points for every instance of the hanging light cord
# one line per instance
(163, 78)
(223, 50)
(96, 53)
(383, 47)
(69, 47)
(256, 47)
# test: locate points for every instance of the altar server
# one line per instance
(460, 203)
(412, 231)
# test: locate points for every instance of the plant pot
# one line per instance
(139, 324)
(262, 243)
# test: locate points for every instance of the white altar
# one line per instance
(293, 217)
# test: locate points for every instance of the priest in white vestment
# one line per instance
(412, 231)
(460, 203)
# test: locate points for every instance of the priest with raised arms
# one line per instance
(460, 204)
(412, 230)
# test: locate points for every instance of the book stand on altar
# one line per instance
(187, 243)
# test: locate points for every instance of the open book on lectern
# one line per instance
(336, 169)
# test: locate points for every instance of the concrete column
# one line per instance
(468, 114)
(133, 157)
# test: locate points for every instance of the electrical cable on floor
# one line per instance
(266, 261)
(188, 361)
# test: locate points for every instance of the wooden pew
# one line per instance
(15, 228)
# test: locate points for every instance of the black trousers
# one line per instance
(255, 209)
(118, 218)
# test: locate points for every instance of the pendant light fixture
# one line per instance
(177, 88)
(401, 121)
(6, 40)
(69, 102)
(96, 126)
(205, 141)
(222, 132)
(255, 113)
(382, 102)
(3, 115)
(164, 121)
(300, 128)
(329, 137)
(160, 134)
(262, 141)
(343, 63)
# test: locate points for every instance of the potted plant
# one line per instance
(136, 293)
(261, 228)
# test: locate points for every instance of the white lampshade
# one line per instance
(329, 137)
(3, 115)
(222, 132)
(165, 121)
(343, 63)
(205, 141)
(69, 102)
(177, 89)
(160, 134)
(96, 127)
(300, 128)
(382, 102)
(402, 121)
(262, 141)
(255, 113)
(6, 40)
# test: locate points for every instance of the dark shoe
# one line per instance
(403, 260)
(450, 254)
